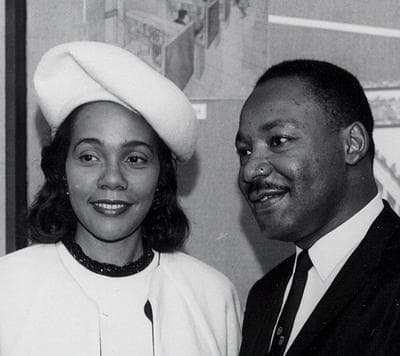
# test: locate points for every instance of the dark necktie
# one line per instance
(285, 322)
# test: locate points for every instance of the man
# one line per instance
(306, 169)
(181, 17)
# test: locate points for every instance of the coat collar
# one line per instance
(352, 277)
(277, 281)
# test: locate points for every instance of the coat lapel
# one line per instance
(350, 280)
(275, 289)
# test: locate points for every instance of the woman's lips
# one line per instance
(111, 208)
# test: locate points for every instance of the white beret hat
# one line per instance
(76, 73)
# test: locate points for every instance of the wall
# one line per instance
(371, 57)
(2, 131)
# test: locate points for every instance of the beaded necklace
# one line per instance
(108, 269)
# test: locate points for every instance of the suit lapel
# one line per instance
(350, 280)
(274, 291)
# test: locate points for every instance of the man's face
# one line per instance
(292, 164)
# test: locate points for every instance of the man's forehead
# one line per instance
(279, 102)
(281, 88)
(268, 125)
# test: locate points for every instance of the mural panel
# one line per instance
(209, 48)
(385, 105)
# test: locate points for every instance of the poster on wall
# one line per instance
(208, 48)
(385, 106)
(387, 164)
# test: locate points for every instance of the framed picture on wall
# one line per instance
(385, 105)
(387, 163)
(209, 48)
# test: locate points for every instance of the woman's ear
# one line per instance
(356, 140)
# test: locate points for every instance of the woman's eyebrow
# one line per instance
(127, 144)
(136, 143)
(89, 140)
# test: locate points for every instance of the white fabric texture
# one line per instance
(328, 255)
(45, 311)
(76, 73)
(125, 329)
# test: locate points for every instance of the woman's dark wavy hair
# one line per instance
(51, 217)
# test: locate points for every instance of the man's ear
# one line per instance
(356, 141)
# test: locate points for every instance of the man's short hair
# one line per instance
(337, 91)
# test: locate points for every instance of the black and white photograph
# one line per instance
(199, 177)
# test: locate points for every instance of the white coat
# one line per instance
(44, 311)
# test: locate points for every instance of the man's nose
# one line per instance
(112, 178)
(256, 167)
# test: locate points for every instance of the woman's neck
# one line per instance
(118, 253)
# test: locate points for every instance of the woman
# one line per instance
(105, 277)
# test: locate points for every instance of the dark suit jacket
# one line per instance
(358, 315)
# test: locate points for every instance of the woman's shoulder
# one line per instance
(27, 253)
(22, 275)
(195, 270)
(28, 261)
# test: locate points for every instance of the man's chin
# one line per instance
(261, 224)
(265, 222)
(269, 219)
(274, 231)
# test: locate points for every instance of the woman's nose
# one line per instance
(113, 178)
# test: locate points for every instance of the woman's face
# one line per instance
(112, 171)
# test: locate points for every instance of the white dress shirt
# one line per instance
(328, 255)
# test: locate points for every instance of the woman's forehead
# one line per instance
(111, 122)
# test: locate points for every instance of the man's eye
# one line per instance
(243, 152)
(278, 140)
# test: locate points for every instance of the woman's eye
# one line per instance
(88, 158)
(278, 140)
(136, 160)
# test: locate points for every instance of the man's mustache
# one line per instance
(261, 184)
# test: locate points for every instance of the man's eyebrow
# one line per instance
(279, 123)
(269, 126)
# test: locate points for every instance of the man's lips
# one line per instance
(110, 207)
(261, 196)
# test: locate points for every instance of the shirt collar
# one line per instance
(327, 253)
